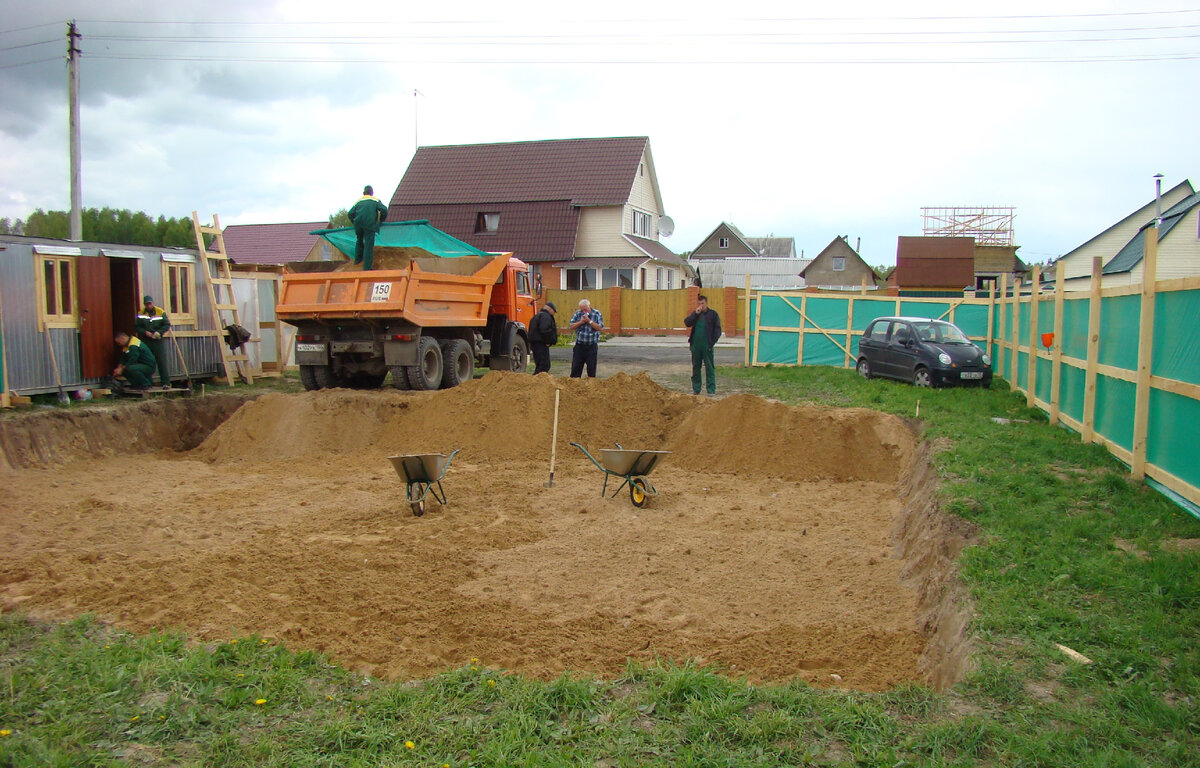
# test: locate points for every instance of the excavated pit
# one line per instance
(787, 542)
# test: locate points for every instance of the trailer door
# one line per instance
(95, 316)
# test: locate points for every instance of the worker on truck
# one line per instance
(366, 215)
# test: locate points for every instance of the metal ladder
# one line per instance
(216, 276)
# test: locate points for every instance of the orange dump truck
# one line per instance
(433, 309)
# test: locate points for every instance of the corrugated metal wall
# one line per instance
(25, 351)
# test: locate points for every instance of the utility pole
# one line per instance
(76, 217)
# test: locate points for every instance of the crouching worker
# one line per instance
(137, 362)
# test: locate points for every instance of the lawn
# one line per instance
(1069, 552)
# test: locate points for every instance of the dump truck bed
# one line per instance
(429, 292)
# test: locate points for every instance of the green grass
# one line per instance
(1045, 571)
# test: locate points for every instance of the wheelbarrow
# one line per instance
(632, 465)
(420, 473)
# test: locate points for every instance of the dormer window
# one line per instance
(487, 222)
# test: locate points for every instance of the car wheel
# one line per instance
(921, 377)
(864, 367)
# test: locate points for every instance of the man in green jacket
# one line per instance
(137, 362)
(366, 215)
(151, 326)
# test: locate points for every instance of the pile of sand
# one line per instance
(769, 550)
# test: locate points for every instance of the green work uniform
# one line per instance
(155, 321)
(702, 355)
(138, 363)
(366, 215)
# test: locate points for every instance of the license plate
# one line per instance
(310, 347)
(381, 292)
(972, 374)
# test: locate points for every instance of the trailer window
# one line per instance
(179, 294)
(56, 284)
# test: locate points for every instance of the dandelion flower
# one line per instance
(241, 674)
(233, 641)
(132, 719)
(474, 660)
(263, 641)
(259, 702)
(5, 732)
(410, 745)
(492, 683)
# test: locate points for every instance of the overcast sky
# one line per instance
(796, 119)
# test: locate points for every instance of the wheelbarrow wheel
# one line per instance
(637, 492)
(415, 491)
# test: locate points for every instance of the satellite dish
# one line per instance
(666, 225)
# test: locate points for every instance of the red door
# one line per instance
(95, 316)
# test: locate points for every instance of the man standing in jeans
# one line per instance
(587, 324)
(705, 325)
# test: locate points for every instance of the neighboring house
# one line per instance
(277, 243)
(584, 213)
(838, 268)
(991, 261)
(933, 266)
(72, 297)
(770, 261)
(1121, 247)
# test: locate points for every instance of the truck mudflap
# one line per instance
(401, 352)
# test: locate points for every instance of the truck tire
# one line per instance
(519, 356)
(427, 373)
(317, 377)
(458, 363)
(400, 377)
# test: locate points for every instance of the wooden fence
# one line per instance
(627, 311)
(1120, 366)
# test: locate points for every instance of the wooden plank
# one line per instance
(850, 323)
(1088, 432)
(1177, 484)
(800, 343)
(991, 316)
(1141, 409)
(758, 327)
(1035, 296)
(746, 333)
(1181, 388)
(1015, 359)
(1002, 334)
(1056, 362)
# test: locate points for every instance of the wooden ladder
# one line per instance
(216, 276)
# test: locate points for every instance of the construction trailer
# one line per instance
(62, 302)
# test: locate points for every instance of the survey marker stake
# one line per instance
(553, 441)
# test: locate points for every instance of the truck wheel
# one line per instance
(519, 356)
(400, 377)
(427, 373)
(317, 377)
(458, 364)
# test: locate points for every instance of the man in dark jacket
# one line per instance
(705, 325)
(366, 215)
(151, 326)
(137, 362)
(543, 334)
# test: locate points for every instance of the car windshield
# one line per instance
(941, 333)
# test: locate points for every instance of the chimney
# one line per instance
(858, 244)
(1158, 177)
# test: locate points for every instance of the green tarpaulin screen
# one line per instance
(404, 234)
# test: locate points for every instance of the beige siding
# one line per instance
(600, 233)
(642, 197)
(1079, 263)
(1179, 253)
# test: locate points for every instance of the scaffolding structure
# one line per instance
(989, 225)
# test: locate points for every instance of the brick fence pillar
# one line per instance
(693, 295)
(729, 315)
(613, 321)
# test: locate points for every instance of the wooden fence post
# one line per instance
(1034, 295)
(1060, 275)
(747, 333)
(850, 324)
(987, 347)
(1002, 333)
(1015, 363)
(1141, 411)
(1093, 353)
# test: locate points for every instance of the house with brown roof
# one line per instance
(933, 266)
(838, 268)
(775, 257)
(584, 213)
(277, 243)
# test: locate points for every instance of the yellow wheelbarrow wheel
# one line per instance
(637, 492)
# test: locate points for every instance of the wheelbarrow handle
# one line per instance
(449, 459)
(591, 457)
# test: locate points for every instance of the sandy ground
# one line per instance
(768, 551)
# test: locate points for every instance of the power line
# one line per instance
(26, 29)
(27, 45)
(28, 63)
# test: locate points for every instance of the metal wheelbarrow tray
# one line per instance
(420, 473)
(632, 465)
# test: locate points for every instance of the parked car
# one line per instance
(928, 353)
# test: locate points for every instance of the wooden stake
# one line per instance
(1002, 333)
(1035, 294)
(1141, 411)
(182, 362)
(62, 396)
(1093, 353)
(1014, 362)
(1060, 275)
(746, 333)
(554, 439)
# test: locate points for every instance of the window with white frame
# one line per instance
(839, 263)
(641, 224)
(658, 279)
(56, 284)
(179, 292)
(723, 242)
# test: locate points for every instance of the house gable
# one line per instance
(821, 272)
(710, 247)
(1178, 244)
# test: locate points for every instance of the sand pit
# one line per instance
(773, 550)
